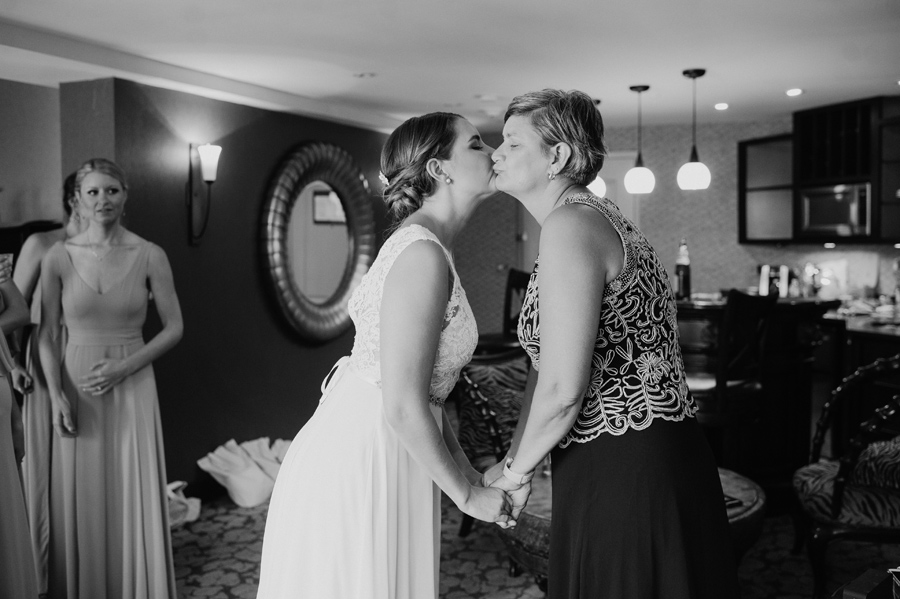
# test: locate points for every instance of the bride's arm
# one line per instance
(415, 297)
(459, 456)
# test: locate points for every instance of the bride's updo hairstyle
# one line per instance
(404, 156)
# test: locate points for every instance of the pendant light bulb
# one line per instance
(598, 187)
(694, 175)
(639, 179)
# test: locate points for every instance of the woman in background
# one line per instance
(17, 579)
(638, 509)
(109, 526)
(28, 379)
(356, 508)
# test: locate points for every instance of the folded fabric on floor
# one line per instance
(246, 470)
(181, 509)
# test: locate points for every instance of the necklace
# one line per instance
(100, 256)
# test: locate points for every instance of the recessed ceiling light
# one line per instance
(794, 92)
(830, 246)
(721, 106)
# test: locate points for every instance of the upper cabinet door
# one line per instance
(835, 144)
(765, 190)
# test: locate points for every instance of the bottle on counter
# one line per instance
(683, 272)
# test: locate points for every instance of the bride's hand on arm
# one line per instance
(413, 304)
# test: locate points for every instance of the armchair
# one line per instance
(854, 496)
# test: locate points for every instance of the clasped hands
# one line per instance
(518, 493)
(104, 375)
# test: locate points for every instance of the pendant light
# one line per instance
(639, 179)
(598, 187)
(693, 174)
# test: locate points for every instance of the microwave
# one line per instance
(836, 210)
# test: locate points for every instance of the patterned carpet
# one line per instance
(217, 557)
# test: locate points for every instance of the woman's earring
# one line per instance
(448, 180)
(551, 176)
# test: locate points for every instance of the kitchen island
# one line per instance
(772, 448)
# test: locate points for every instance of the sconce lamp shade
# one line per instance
(598, 187)
(639, 179)
(694, 175)
(209, 161)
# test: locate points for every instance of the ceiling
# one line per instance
(375, 62)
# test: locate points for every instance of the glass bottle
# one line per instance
(683, 272)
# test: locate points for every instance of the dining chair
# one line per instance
(728, 390)
(856, 495)
(488, 398)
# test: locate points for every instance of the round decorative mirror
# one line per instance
(318, 237)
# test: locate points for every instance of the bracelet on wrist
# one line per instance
(519, 479)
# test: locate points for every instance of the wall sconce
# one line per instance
(198, 211)
(693, 174)
(639, 179)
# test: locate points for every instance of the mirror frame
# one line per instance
(304, 164)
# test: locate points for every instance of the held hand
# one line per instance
(518, 494)
(104, 375)
(489, 505)
(63, 420)
(21, 380)
(492, 474)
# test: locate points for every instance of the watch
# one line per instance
(519, 479)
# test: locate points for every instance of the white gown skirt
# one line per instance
(352, 515)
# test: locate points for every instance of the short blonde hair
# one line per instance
(568, 117)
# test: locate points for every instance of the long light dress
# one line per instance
(37, 416)
(17, 578)
(353, 514)
(109, 524)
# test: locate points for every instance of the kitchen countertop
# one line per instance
(878, 324)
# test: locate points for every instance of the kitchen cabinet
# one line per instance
(851, 143)
(765, 189)
(836, 178)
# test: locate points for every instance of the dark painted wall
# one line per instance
(238, 372)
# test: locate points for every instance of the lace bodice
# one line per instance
(459, 334)
(637, 372)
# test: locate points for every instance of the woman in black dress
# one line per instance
(638, 509)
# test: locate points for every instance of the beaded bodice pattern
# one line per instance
(459, 334)
(637, 372)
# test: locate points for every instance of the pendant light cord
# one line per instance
(639, 123)
(694, 133)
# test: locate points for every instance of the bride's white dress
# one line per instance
(353, 515)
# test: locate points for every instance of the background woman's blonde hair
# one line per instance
(568, 117)
(100, 165)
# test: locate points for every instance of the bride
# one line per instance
(356, 507)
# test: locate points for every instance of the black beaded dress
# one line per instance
(638, 508)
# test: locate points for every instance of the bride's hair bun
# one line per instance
(405, 156)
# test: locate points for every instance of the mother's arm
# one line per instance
(579, 251)
(107, 373)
